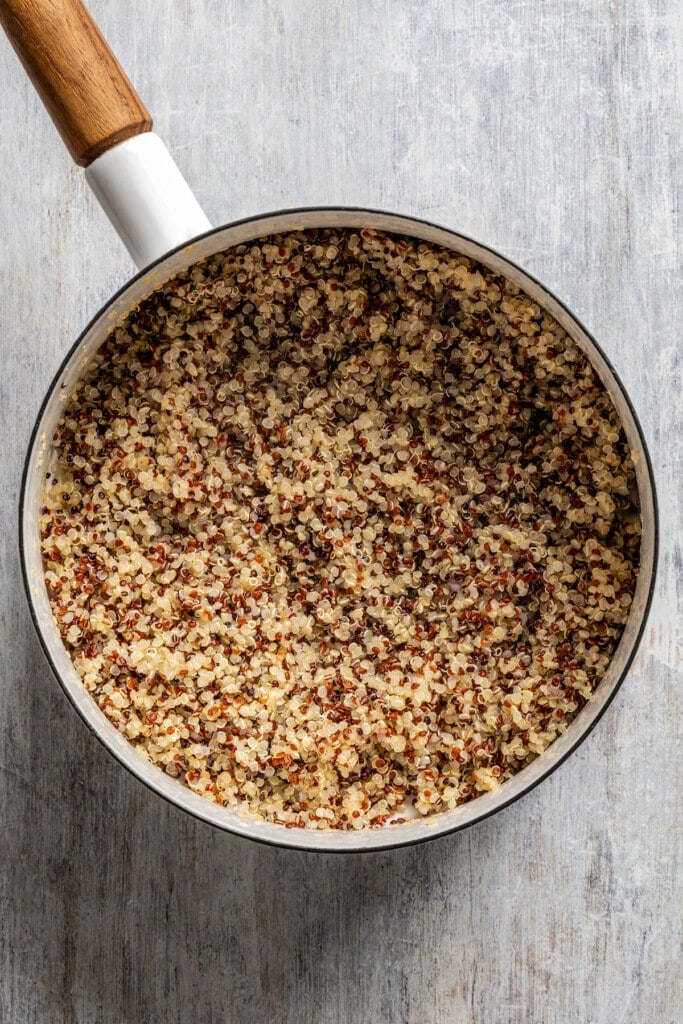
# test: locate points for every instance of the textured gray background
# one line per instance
(550, 130)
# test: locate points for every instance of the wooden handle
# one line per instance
(78, 78)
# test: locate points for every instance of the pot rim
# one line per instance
(287, 838)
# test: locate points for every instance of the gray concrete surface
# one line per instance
(552, 131)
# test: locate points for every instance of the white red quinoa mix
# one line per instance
(339, 528)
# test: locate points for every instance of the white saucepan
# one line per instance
(108, 130)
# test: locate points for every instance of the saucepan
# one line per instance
(109, 132)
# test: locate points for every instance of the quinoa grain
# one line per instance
(340, 529)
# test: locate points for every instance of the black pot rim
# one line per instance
(581, 736)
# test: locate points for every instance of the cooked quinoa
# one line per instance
(340, 529)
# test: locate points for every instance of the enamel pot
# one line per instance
(108, 131)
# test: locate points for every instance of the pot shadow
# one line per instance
(124, 909)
